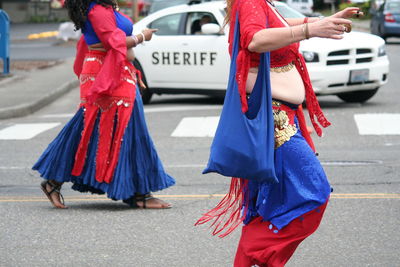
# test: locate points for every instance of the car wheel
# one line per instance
(146, 93)
(358, 96)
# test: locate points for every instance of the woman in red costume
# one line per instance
(105, 147)
(278, 216)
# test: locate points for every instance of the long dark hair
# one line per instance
(77, 10)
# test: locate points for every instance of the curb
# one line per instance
(28, 108)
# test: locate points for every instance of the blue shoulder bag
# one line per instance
(243, 145)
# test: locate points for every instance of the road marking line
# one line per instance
(12, 168)
(147, 110)
(25, 131)
(61, 115)
(196, 127)
(203, 165)
(378, 124)
(197, 196)
(181, 108)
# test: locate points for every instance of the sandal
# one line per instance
(55, 188)
(133, 202)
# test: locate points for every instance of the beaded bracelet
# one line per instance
(307, 32)
(291, 31)
(135, 39)
(144, 38)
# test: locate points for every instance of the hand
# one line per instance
(141, 84)
(329, 27)
(148, 33)
(348, 13)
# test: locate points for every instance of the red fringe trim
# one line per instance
(228, 215)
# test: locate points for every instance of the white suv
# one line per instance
(185, 56)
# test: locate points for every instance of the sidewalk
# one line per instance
(28, 91)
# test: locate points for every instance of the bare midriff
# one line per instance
(130, 56)
(287, 86)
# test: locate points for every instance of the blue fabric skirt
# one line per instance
(302, 186)
(139, 169)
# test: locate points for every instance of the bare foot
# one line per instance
(147, 201)
(52, 190)
(153, 203)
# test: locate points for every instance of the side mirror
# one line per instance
(211, 28)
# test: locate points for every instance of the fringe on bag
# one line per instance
(230, 211)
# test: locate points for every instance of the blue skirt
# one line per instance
(302, 185)
(139, 169)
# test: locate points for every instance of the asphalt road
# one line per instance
(360, 227)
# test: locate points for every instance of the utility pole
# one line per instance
(135, 11)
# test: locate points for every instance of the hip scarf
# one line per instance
(302, 184)
(113, 112)
(284, 124)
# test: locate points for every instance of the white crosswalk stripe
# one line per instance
(378, 124)
(196, 127)
(25, 131)
(367, 124)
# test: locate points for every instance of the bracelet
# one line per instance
(144, 38)
(305, 20)
(303, 29)
(307, 32)
(135, 39)
(291, 31)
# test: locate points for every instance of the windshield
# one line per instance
(158, 5)
(393, 6)
(288, 12)
(284, 10)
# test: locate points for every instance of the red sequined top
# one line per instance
(256, 15)
(114, 41)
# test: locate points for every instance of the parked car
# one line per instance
(161, 4)
(303, 6)
(385, 21)
(183, 59)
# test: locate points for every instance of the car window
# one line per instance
(161, 4)
(393, 6)
(288, 12)
(196, 19)
(167, 25)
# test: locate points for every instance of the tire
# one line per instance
(146, 93)
(358, 96)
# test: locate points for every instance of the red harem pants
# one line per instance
(259, 245)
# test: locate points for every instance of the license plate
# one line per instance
(357, 76)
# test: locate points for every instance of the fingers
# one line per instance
(352, 9)
(142, 85)
(341, 21)
(150, 30)
(358, 14)
(337, 36)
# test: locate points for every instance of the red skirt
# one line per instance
(262, 244)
